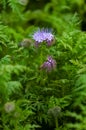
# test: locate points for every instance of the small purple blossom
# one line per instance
(43, 35)
(49, 64)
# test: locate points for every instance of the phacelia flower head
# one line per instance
(49, 64)
(43, 35)
(9, 107)
(54, 112)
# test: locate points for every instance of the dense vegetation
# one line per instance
(31, 97)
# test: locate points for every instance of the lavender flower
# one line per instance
(49, 65)
(43, 35)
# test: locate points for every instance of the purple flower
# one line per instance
(43, 35)
(49, 64)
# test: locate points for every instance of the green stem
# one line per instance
(56, 123)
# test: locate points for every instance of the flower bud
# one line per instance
(23, 2)
(25, 43)
(54, 112)
(49, 65)
(9, 107)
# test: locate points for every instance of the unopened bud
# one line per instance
(25, 43)
(9, 107)
(55, 111)
(23, 2)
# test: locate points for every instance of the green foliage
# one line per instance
(27, 93)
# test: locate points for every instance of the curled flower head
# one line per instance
(25, 43)
(54, 112)
(49, 64)
(23, 2)
(43, 35)
(9, 107)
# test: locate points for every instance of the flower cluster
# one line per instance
(43, 35)
(49, 64)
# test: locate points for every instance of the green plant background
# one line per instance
(56, 100)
